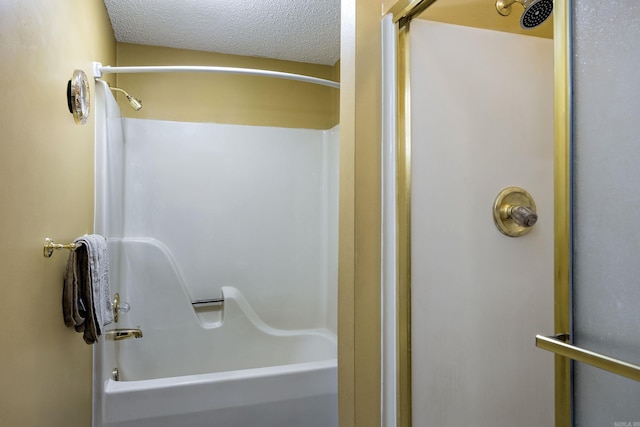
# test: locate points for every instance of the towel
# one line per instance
(86, 298)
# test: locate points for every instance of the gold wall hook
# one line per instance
(514, 212)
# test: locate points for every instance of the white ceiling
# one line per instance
(295, 30)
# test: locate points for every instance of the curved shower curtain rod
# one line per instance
(99, 70)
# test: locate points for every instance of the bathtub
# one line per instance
(216, 366)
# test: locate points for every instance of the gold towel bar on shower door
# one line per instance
(557, 345)
(50, 246)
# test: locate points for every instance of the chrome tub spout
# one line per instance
(122, 334)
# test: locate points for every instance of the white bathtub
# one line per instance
(212, 366)
(301, 395)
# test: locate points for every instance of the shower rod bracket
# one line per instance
(97, 69)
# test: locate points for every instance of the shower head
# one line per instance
(135, 103)
(535, 11)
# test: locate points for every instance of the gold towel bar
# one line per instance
(557, 345)
(50, 246)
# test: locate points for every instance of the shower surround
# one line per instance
(196, 211)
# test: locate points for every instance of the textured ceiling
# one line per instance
(295, 30)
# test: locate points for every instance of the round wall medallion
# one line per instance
(78, 99)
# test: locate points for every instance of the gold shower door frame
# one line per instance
(403, 12)
(566, 353)
(562, 204)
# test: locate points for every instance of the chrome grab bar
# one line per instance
(207, 302)
(555, 344)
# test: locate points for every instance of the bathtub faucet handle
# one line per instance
(119, 307)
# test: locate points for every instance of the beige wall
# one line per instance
(227, 98)
(46, 189)
(359, 363)
(46, 176)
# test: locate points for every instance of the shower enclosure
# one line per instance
(475, 118)
(570, 137)
(223, 251)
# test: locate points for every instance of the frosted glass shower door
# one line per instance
(606, 201)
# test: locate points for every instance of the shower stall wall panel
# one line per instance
(240, 206)
(482, 120)
(109, 165)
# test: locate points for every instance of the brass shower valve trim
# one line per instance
(514, 212)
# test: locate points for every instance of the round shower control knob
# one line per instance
(524, 216)
(514, 212)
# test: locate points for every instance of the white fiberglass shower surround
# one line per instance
(223, 249)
